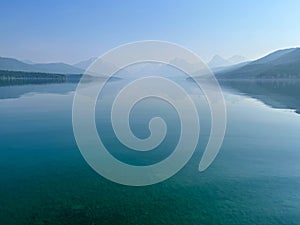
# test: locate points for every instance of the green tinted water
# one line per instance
(44, 179)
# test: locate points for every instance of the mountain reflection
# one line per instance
(282, 94)
(15, 88)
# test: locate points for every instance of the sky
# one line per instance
(71, 31)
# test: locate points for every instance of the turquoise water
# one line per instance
(44, 179)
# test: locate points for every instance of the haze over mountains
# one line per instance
(12, 64)
(219, 62)
(85, 63)
(281, 64)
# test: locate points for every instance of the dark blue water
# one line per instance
(255, 179)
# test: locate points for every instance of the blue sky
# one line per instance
(71, 31)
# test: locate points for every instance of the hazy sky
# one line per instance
(70, 31)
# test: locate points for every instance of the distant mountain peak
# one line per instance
(85, 63)
(237, 59)
(281, 64)
(218, 61)
(12, 64)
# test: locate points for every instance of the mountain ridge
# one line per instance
(281, 64)
(218, 62)
(12, 64)
(84, 64)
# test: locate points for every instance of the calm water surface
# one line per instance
(254, 180)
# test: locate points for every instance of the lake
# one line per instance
(255, 178)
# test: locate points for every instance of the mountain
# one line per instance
(12, 64)
(274, 56)
(281, 64)
(233, 67)
(237, 59)
(27, 61)
(56, 68)
(85, 64)
(218, 63)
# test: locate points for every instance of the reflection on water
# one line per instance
(18, 91)
(18, 88)
(254, 180)
(282, 94)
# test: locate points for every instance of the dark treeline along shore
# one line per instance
(273, 79)
(10, 78)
